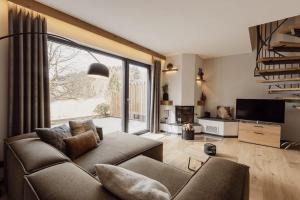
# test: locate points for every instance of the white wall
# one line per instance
(183, 89)
(199, 64)
(188, 81)
(3, 73)
(173, 79)
(231, 77)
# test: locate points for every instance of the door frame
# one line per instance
(125, 124)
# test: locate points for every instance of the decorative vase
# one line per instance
(188, 135)
(165, 96)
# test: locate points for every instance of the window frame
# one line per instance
(125, 92)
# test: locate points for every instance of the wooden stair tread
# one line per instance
(287, 30)
(279, 80)
(290, 98)
(284, 89)
(278, 58)
(280, 71)
(297, 106)
(284, 44)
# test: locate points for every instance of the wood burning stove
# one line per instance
(184, 114)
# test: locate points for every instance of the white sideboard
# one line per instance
(225, 128)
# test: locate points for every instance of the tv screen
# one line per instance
(265, 110)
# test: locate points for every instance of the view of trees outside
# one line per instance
(75, 95)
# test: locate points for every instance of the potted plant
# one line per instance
(188, 132)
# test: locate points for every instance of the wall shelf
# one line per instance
(170, 70)
(166, 103)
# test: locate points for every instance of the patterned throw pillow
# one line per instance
(80, 144)
(224, 112)
(127, 184)
(54, 136)
(79, 127)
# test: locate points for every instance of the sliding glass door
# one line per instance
(76, 96)
(138, 98)
(117, 103)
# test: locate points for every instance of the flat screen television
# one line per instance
(264, 110)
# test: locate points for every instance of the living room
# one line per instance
(149, 100)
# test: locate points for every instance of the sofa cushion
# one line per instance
(54, 136)
(82, 126)
(114, 149)
(76, 184)
(216, 179)
(80, 144)
(34, 154)
(127, 184)
(168, 175)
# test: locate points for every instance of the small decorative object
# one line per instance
(210, 149)
(188, 132)
(170, 68)
(166, 115)
(224, 112)
(206, 114)
(202, 99)
(200, 75)
(165, 94)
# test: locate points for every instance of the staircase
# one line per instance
(278, 63)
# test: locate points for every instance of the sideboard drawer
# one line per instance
(268, 135)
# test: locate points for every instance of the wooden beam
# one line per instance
(41, 8)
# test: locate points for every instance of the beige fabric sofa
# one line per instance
(37, 171)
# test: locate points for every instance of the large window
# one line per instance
(76, 96)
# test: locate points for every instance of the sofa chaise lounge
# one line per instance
(38, 171)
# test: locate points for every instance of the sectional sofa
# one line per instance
(38, 171)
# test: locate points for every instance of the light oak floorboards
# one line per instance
(274, 173)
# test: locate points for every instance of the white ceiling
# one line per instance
(210, 28)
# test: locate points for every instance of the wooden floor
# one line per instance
(274, 173)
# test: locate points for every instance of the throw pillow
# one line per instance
(54, 136)
(78, 127)
(129, 185)
(224, 112)
(80, 144)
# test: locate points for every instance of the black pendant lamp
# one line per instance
(98, 69)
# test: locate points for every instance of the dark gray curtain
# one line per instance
(155, 97)
(29, 102)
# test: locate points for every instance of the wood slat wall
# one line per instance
(41, 8)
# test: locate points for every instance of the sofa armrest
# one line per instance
(100, 132)
(217, 179)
